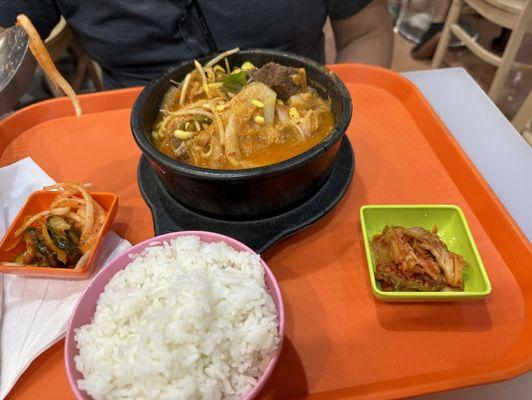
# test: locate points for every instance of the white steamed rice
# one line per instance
(185, 320)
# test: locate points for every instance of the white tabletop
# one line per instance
(500, 153)
(503, 158)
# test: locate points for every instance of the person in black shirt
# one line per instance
(135, 41)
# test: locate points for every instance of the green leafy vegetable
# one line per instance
(34, 241)
(73, 235)
(234, 82)
(62, 239)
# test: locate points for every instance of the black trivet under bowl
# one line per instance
(259, 234)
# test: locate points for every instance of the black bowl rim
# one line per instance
(344, 118)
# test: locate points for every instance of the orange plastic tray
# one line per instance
(340, 341)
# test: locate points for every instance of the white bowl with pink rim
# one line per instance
(86, 305)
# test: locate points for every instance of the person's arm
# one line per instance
(19, 84)
(365, 37)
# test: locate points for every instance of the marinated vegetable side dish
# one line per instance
(414, 259)
(235, 117)
(63, 235)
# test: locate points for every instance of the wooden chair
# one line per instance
(515, 15)
(524, 115)
(60, 40)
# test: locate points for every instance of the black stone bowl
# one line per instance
(250, 192)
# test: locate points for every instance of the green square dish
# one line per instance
(452, 229)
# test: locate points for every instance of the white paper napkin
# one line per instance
(35, 311)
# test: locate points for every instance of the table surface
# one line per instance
(503, 158)
(499, 152)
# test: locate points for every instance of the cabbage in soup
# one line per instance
(242, 117)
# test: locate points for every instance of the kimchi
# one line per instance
(414, 259)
